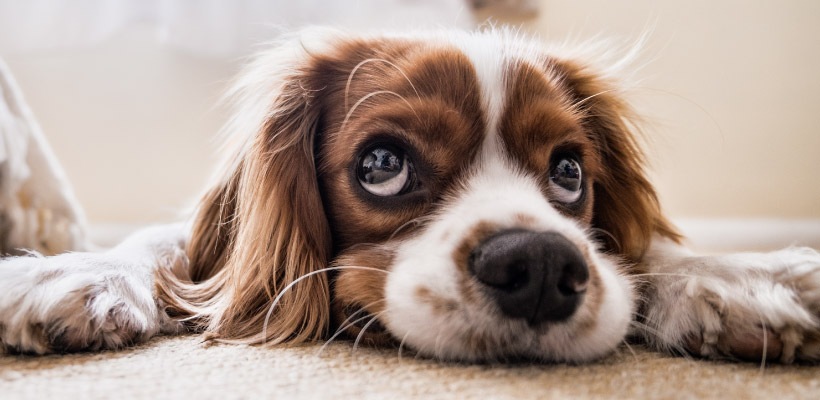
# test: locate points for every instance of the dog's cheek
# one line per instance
(358, 292)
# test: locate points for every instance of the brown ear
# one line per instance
(262, 227)
(626, 208)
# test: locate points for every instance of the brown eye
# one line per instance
(385, 170)
(565, 180)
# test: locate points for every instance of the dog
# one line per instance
(471, 196)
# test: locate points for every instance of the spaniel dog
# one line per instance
(471, 196)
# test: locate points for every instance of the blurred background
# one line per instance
(127, 90)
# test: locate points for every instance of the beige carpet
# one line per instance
(180, 367)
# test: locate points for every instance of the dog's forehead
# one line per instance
(492, 64)
(525, 101)
(487, 79)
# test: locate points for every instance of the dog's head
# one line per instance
(472, 195)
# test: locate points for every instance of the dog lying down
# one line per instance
(471, 196)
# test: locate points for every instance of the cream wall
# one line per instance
(132, 122)
(732, 90)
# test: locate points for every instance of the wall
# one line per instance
(132, 122)
(732, 92)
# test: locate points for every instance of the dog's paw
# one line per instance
(74, 302)
(747, 306)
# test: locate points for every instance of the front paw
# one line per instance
(72, 302)
(747, 306)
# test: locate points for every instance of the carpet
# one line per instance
(182, 367)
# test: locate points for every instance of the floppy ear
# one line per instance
(262, 227)
(626, 208)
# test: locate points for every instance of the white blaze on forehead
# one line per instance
(487, 54)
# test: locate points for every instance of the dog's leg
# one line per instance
(745, 305)
(89, 301)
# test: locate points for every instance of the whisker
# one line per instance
(765, 343)
(414, 221)
(359, 65)
(347, 324)
(609, 234)
(364, 308)
(401, 345)
(579, 103)
(437, 345)
(637, 281)
(646, 328)
(340, 331)
(637, 314)
(364, 328)
(369, 95)
(671, 274)
(628, 347)
(299, 279)
(658, 336)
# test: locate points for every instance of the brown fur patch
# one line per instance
(438, 304)
(538, 124)
(433, 112)
(476, 235)
(525, 221)
(470, 289)
(359, 290)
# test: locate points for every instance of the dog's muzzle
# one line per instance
(537, 276)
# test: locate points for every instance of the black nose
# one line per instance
(538, 276)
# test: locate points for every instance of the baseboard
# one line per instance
(721, 235)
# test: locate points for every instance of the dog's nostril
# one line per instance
(574, 278)
(512, 278)
(538, 276)
(573, 287)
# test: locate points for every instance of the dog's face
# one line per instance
(464, 180)
(475, 195)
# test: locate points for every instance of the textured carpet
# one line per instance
(181, 367)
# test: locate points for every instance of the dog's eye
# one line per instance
(385, 171)
(565, 180)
